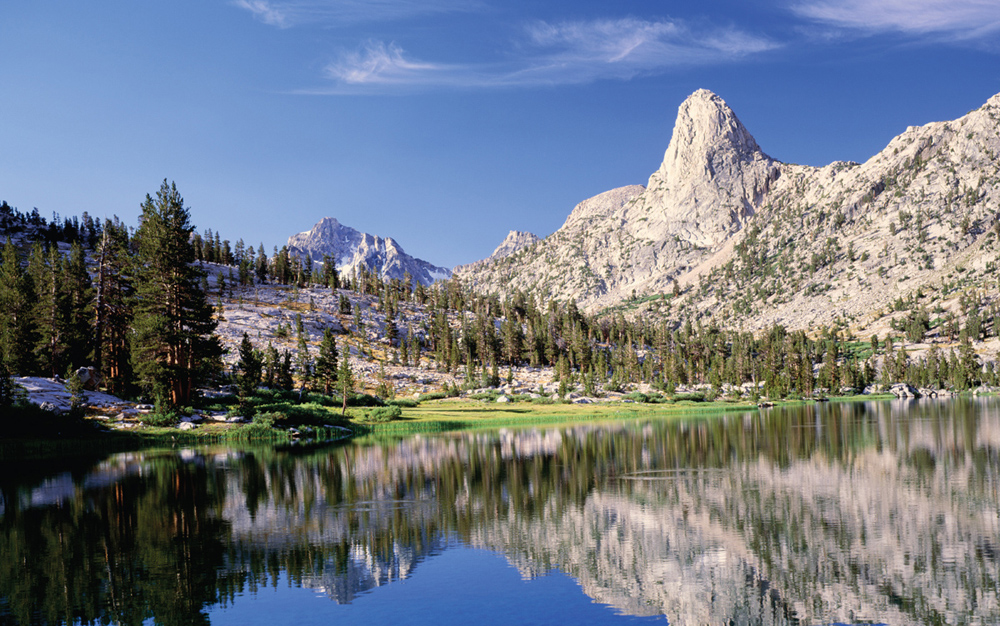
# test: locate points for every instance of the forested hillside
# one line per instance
(161, 311)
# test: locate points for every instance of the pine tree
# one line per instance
(174, 345)
(404, 351)
(249, 366)
(113, 308)
(384, 388)
(47, 348)
(17, 295)
(969, 364)
(414, 349)
(77, 397)
(7, 387)
(513, 340)
(303, 362)
(285, 380)
(326, 363)
(79, 300)
(272, 366)
(261, 268)
(345, 379)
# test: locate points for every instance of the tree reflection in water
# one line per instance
(885, 512)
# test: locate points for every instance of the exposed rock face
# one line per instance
(755, 241)
(712, 179)
(352, 249)
(515, 241)
(713, 176)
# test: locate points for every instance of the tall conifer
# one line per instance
(16, 298)
(326, 363)
(79, 315)
(113, 307)
(174, 345)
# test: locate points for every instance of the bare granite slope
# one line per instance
(753, 241)
(515, 241)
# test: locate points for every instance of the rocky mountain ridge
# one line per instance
(515, 241)
(351, 250)
(724, 231)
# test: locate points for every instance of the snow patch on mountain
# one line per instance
(351, 250)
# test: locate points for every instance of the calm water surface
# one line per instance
(885, 513)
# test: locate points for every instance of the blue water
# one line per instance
(461, 585)
(853, 513)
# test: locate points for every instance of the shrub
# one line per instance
(542, 400)
(161, 418)
(309, 413)
(489, 396)
(261, 422)
(384, 414)
(364, 399)
(437, 395)
(696, 396)
(407, 403)
(262, 427)
(25, 419)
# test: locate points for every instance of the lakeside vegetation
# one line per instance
(134, 303)
(315, 420)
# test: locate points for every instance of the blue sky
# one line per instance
(446, 123)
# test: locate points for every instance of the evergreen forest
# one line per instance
(134, 303)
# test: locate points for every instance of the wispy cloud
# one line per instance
(553, 53)
(954, 19)
(384, 64)
(266, 12)
(623, 48)
(288, 13)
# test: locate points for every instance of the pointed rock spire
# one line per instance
(707, 129)
(713, 174)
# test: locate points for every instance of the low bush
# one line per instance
(489, 396)
(383, 414)
(161, 418)
(310, 413)
(646, 398)
(363, 399)
(262, 427)
(437, 395)
(636, 396)
(406, 403)
(695, 396)
(27, 420)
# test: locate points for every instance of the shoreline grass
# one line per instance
(455, 414)
(430, 416)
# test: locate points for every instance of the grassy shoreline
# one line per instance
(461, 414)
(435, 416)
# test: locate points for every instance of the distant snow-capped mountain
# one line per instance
(351, 249)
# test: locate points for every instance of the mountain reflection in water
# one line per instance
(858, 512)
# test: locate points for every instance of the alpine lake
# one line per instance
(882, 512)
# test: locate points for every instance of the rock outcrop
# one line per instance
(515, 241)
(351, 249)
(713, 176)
